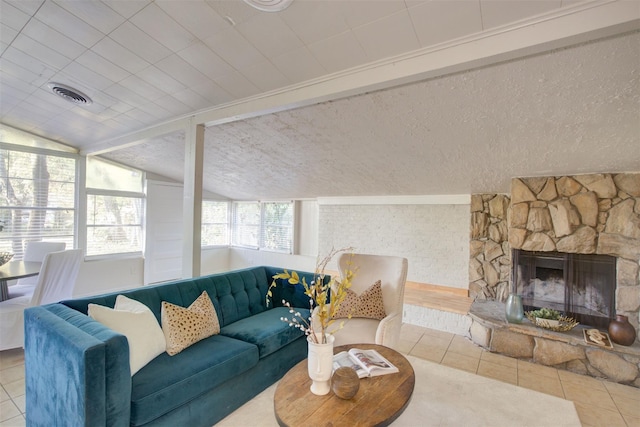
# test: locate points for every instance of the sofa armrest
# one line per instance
(76, 370)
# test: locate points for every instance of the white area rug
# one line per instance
(445, 396)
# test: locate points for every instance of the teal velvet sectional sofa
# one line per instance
(77, 370)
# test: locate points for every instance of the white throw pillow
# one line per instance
(136, 321)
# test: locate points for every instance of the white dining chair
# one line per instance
(35, 252)
(56, 282)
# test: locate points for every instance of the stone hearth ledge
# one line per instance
(561, 350)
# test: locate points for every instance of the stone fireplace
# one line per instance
(582, 214)
(554, 218)
(580, 285)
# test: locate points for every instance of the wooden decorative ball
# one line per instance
(345, 382)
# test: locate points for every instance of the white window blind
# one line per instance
(246, 224)
(277, 226)
(266, 225)
(37, 199)
(215, 223)
(115, 208)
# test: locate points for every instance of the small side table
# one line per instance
(379, 401)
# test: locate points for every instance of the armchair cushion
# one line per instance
(368, 304)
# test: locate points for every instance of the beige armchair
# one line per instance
(392, 272)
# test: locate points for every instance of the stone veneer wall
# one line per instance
(489, 251)
(598, 213)
(586, 214)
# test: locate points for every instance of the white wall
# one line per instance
(109, 275)
(242, 258)
(214, 260)
(433, 237)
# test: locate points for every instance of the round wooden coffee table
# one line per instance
(379, 401)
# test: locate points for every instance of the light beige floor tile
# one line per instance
(3, 395)
(631, 421)
(627, 391)
(581, 380)
(627, 406)
(588, 396)
(502, 373)
(462, 345)
(13, 357)
(409, 331)
(435, 341)
(541, 383)
(536, 369)
(432, 354)
(20, 402)
(8, 410)
(439, 334)
(12, 374)
(15, 389)
(18, 421)
(592, 416)
(405, 347)
(460, 361)
(499, 359)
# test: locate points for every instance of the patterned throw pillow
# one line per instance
(183, 327)
(368, 304)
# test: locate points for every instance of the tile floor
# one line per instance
(599, 403)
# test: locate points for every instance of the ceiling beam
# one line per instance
(569, 26)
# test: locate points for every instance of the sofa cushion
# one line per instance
(183, 327)
(266, 330)
(135, 321)
(235, 295)
(168, 382)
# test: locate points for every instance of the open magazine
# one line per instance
(366, 363)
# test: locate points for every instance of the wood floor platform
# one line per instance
(437, 297)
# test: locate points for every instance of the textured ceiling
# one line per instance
(575, 110)
(148, 64)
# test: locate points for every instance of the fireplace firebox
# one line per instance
(580, 285)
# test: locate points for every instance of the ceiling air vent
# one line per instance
(70, 94)
(269, 5)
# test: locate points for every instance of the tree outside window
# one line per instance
(37, 198)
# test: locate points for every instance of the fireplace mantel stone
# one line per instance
(596, 213)
(561, 350)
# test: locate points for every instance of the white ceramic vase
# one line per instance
(320, 365)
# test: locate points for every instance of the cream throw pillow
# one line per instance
(135, 321)
(368, 304)
(183, 327)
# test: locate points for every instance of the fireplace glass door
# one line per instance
(580, 285)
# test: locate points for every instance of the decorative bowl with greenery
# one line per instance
(325, 298)
(546, 313)
(549, 318)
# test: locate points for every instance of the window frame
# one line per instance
(89, 191)
(262, 226)
(31, 149)
(227, 224)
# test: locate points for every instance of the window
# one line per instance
(215, 223)
(246, 224)
(115, 208)
(277, 226)
(266, 225)
(37, 197)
